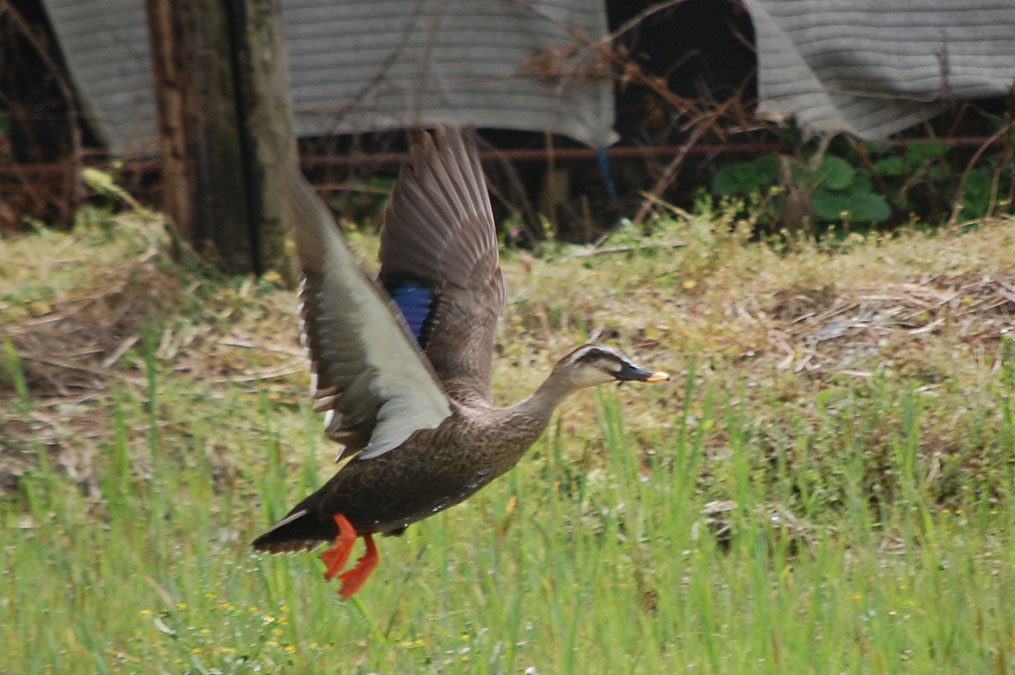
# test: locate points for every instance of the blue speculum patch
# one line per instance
(414, 301)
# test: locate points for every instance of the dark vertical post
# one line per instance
(221, 82)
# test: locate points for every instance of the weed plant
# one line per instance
(747, 520)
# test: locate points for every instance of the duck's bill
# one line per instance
(642, 375)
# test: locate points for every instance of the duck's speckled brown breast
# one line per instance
(434, 469)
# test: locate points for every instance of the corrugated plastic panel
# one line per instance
(362, 65)
(873, 68)
(105, 44)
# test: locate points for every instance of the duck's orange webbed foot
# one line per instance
(336, 557)
(354, 578)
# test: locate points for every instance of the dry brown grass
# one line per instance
(74, 307)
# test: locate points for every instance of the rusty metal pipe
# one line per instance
(522, 155)
(623, 152)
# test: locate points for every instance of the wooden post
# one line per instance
(221, 81)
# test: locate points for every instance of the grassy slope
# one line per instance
(820, 490)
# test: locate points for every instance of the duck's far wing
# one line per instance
(439, 259)
(367, 372)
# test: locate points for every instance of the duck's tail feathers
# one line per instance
(299, 531)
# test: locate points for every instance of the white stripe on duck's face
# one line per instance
(597, 363)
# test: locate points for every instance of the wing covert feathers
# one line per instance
(439, 232)
(368, 373)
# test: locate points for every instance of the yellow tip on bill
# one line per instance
(658, 376)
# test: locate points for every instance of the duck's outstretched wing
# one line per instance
(368, 374)
(439, 260)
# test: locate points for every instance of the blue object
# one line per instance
(414, 301)
(604, 168)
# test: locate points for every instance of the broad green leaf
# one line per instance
(733, 179)
(766, 170)
(919, 153)
(860, 207)
(835, 173)
(742, 178)
(725, 182)
(976, 194)
(871, 207)
(877, 147)
(890, 166)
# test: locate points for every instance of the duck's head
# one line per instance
(596, 363)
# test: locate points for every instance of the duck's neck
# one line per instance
(533, 413)
(519, 426)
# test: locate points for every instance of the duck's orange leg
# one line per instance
(354, 578)
(336, 556)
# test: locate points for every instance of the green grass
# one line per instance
(863, 524)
